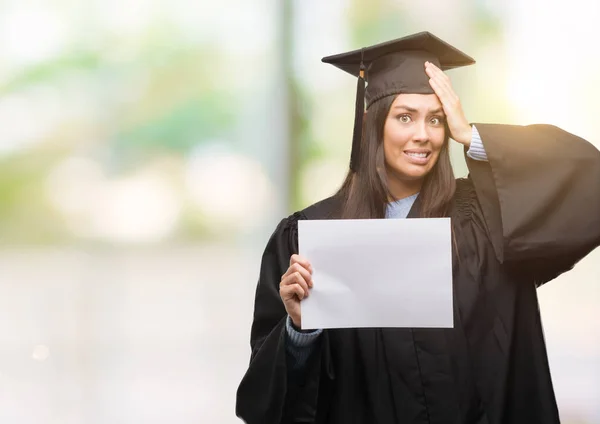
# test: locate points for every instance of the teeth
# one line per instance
(417, 155)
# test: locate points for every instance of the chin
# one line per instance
(404, 175)
(414, 176)
(411, 174)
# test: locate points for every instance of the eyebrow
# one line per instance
(413, 110)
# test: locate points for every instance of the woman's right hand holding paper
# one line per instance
(294, 287)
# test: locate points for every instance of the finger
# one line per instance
(291, 291)
(445, 93)
(440, 77)
(447, 89)
(295, 278)
(296, 267)
(430, 68)
(301, 260)
(302, 265)
(440, 91)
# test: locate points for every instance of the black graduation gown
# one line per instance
(519, 220)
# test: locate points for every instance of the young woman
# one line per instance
(529, 210)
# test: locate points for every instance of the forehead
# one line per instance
(418, 101)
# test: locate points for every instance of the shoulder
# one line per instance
(286, 232)
(324, 209)
(466, 208)
(464, 188)
(465, 197)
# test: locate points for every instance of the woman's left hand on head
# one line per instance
(460, 130)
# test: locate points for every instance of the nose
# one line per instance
(421, 134)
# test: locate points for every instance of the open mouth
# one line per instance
(420, 155)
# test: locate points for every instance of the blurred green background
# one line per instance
(148, 148)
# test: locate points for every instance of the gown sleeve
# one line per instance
(539, 194)
(270, 391)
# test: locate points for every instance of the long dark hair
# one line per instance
(365, 192)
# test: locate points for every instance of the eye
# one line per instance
(437, 120)
(405, 119)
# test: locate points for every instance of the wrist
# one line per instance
(297, 326)
(465, 137)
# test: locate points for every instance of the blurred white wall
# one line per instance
(118, 336)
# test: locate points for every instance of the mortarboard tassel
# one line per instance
(359, 112)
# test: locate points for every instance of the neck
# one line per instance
(400, 189)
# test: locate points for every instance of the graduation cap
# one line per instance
(394, 67)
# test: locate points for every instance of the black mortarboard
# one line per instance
(394, 67)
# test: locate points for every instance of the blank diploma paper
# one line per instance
(378, 273)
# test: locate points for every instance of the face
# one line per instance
(413, 137)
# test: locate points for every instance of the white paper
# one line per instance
(378, 273)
